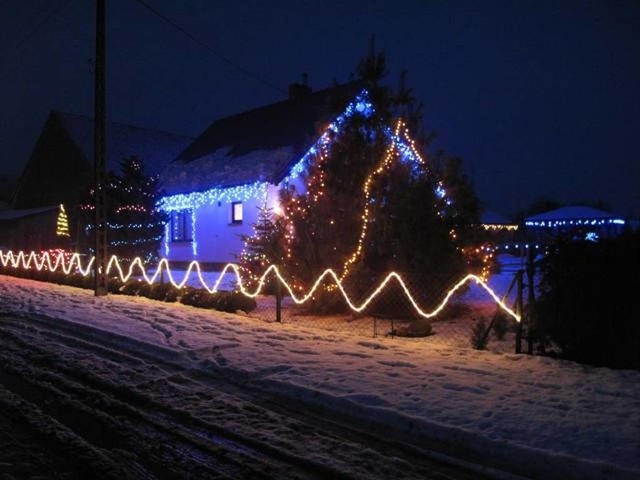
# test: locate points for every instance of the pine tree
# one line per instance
(369, 207)
(135, 225)
(263, 247)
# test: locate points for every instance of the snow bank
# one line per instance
(559, 418)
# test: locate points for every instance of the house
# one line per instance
(60, 168)
(216, 186)
(576, 222)
(30, 229)
(496, 222)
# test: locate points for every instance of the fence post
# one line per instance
(531, 300)
(519, 310)
(278, 301)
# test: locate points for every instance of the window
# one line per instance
(236, 212)
(181, 226)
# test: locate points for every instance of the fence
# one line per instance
(470, 314)
(469, 317)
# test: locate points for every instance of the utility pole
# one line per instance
(99, 163)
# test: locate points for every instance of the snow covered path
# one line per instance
(530, 415)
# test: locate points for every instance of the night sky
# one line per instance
(540, 98)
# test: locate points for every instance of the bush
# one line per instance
(164, 292)
(134, 287)
(501, 325)
(588, 304)
(479, 338)
(223, 301)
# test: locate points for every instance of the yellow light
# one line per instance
(43, 260)
(62, 223)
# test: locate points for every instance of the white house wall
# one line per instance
(217, 238)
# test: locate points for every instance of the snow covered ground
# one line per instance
(546, 415)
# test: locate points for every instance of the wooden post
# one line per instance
(278, 301)
(519, 310)
(99, 163)
(531, 300)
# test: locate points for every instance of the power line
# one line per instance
(27, 36)
(247, 73)
(41, 23)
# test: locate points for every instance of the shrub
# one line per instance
(501, 325)
(164, 292)
(588, 304)
(479, 338)
(133, 287)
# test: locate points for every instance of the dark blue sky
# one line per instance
(540, 98)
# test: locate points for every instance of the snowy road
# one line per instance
(101, 405)
(131, 386)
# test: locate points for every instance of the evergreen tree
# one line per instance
(134, 226)
(369, 208)
(263, 248)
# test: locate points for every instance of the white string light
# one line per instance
(43, 260)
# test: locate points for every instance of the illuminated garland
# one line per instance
(43, 260)
(360, 105)
(405, 147)
(62, 223)
(194, 200)
(586, 222)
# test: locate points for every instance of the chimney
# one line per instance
(298, 91)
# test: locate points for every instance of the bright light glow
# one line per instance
(236, 212)
(62, 223)
(212, 196)
(563, 223)
(495, 226)
(72, 263)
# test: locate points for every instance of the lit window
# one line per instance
(181, 226)
(236, 212)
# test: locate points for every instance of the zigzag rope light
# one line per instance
(66, 262)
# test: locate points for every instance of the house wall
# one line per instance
(217, 239)
(35, 232)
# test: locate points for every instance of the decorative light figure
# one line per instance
(67, 262)
(62, 223)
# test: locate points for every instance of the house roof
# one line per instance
(12, 214)
(257, 145)
(155, 148)
(490, 217)
(575, 212)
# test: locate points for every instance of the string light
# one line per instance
(360, 105)
(62, 223)
(586, 222)
(495, 226)
(405, 147)
(67, 264)
(212, 196)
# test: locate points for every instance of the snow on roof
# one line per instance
(494, 218)
(155, 148)
(576, 212)
(257, 145)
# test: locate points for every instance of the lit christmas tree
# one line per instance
(372, 204)
(134, 226)
(62, 223)
(264, 247)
